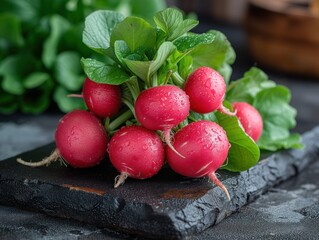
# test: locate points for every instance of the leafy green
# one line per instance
(10, 29)
(98, 27)
(171, 22)
(102, 73)
(278, 117)
(36, 37)
(59, 26)
(244, 152)
(246, 88)
(136, 32)
(272, 102)
(68, 70)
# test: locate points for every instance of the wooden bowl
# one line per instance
(284, 35)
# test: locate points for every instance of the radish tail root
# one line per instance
(55, 155)
(75, 95)
(120, 179)
(167, 138)
(226, 111)
(214, 178)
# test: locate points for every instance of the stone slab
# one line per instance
(166, 206)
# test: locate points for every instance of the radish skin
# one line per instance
(81, 141)
(205, 146)
(102, 99)
(206, 89)
(162, 108)
(250, 119)
(136, 152)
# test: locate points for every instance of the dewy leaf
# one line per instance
(136, 32)
(246, 88)
(278, 117)
(192, 40)
(98, 28)
(171, 22)
(68, 70)
(244, 152)
(102, 73)
(59, 26)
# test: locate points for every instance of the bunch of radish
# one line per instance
(155, 104)
(138, 150)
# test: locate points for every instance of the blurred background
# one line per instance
(41, 44)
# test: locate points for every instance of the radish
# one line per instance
(136, 152)
(80, 140)
(102, 99)
(162, 108)
(250, 119)
(206, 89)
(205, 146)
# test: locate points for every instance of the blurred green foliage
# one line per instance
(41, 47)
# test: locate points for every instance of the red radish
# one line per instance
(136, 152)
(205, 146)
(162, 108)
(206, 89)
(102, 99)
(80, 140)
(250, 119)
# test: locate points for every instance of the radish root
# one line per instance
(55, 155)
(214, 178)
(167, 138)
(226, 111)
(120, 179)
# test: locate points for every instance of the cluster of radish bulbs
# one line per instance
(140, 150)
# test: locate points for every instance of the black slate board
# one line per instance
(166, 206)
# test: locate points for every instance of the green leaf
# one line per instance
(102, 73)
(246, 88)
(172, 23)
(192, 40)
(10, 28)
(59, 26)
(244, 152)
(14, 69)
(215, 53)
(65, 103)
(36, 79)
(164, 51)
(98, 28)
(136, 32)
(68, 70)
(145, 69)
(278, 117)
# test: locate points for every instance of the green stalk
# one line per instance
(177, 79)
(117, 122)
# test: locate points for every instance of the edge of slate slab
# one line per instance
(143, 218)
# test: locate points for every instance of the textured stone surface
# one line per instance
(174, 207)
